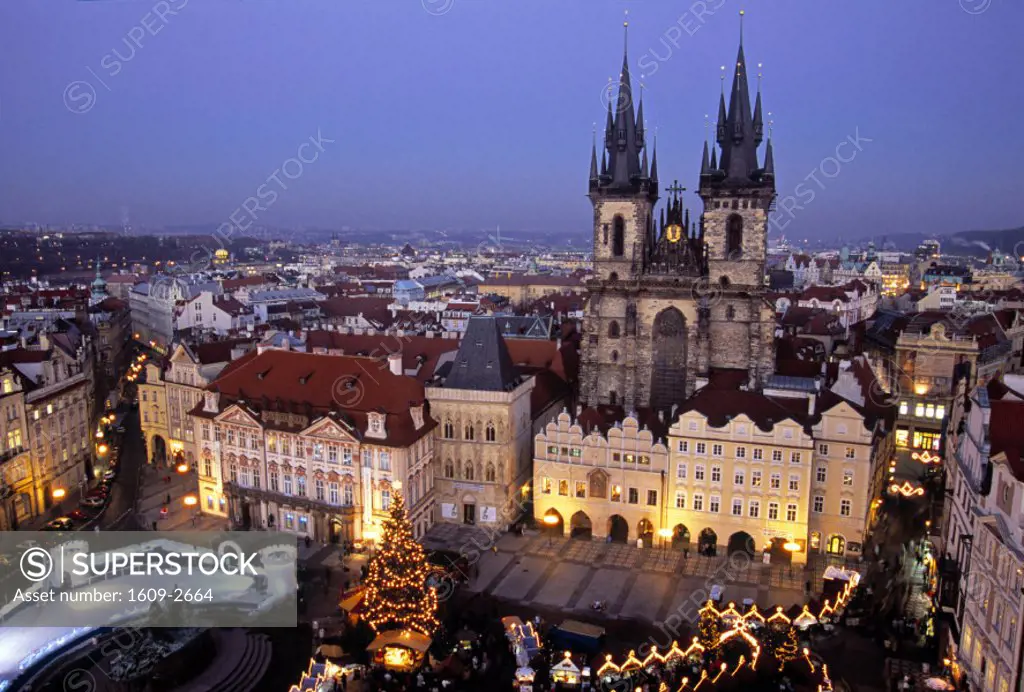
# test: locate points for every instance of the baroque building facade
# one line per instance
(315, 444)
(671, 301)
(735, 471)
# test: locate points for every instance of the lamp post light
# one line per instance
(190, 501)
(551, 520)
(666, 534)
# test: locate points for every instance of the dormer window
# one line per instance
(375, 425)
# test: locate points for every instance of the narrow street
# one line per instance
(120, 512)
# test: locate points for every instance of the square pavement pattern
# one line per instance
(649, 584)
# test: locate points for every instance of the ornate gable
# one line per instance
(330, 429)
(236, 416)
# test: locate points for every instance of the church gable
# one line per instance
(330, 429)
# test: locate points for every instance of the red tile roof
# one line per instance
(321, 384)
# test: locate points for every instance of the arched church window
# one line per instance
(735, 204)
(730, 313)
(613, 330)
(615, 356)
(614, 276)
(619, 237)
(491, 474)
(449, 469)
(468, 474)
(734, 237)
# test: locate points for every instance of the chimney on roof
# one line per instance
(674, 408)
(810, 404)
(395, 363)
(579, 410)
(661, 416)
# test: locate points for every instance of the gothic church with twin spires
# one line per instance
(674, 301)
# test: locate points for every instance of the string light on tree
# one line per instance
(397, 595)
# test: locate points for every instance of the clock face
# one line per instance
(674, 233)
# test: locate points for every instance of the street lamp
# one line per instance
(792, 546)
(190, 500)
(183, 467)
(59, 493)
(551, 520)
(665, 534)
(103, 449)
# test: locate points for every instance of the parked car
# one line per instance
(96, 502)
(79, 515)
(101, 491)
(61, 524)
(120, 429)
(110, 475)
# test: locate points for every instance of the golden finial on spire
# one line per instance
(722, 78)
(771, 122)
(742, 12)
(760, 75)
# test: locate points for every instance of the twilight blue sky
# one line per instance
(482, 115)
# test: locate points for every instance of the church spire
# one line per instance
(739, 148)
(769, 154)
(593, 158)
(654, 163)
(758, 123)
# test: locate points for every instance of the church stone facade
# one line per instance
(673, 300)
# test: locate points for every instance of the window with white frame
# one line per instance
(716, 474)
(794, 481)
(698, 472)
(758, 454)
(698, 502)
(821, 473)
(717, 450)
(754, 509)
(847, 477)
(737, 507)
(702, 448)
(773, 510)
(776, 481)
(741, 452)
(819, 504)
(680, 499)
(851, 453)
(738, 478)
(755, 479)
(684, 446)
(845, 506)
(790, 512)
(823, 449)
(776, 455)
(714, 503)
(794, 457)
(681, 472)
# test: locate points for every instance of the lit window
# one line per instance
(940, 411)
(616, 493)
(794, 482)
(929, 411)
(919, 410)
(903, 408)
(545, 486)
(563, 488)
(902, 438)
(847, 478)
(581, 489)
(755, 479)
(776, 481)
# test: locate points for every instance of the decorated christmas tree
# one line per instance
(789, 649)
(397, 596)
(709, 630)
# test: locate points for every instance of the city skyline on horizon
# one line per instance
(498, 143)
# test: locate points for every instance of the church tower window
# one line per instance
(734, 237)
(619, 237)
(613, 330)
